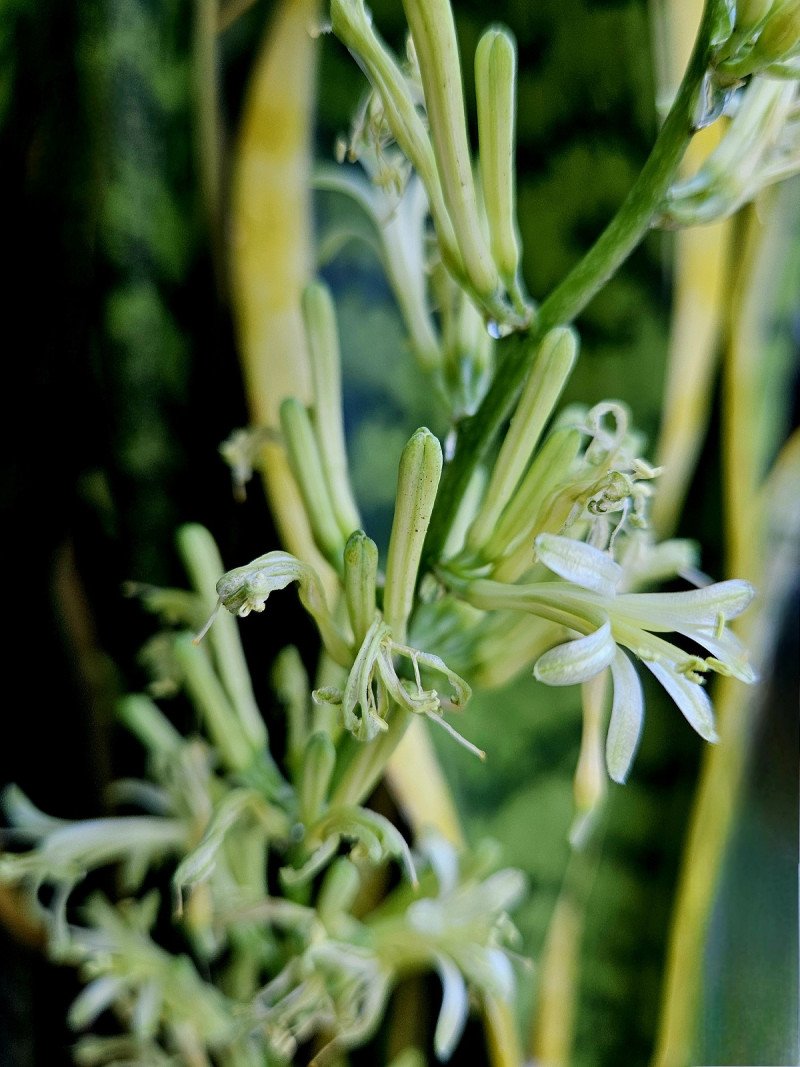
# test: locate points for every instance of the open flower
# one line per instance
(587, 603)
(373, 683)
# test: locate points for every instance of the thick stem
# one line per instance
(615, 244)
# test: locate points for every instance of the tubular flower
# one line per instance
(587, 602)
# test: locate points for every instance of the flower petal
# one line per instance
(578, 562)
(578, 660)
(725, 647)
(627, 717)
(690, 697)
(454, 1010)
(695, 607)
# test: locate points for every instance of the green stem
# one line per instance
(626, 230)
(361, 765)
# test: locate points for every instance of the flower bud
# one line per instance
(360, 573)
(590, 781)
(319, 761)
(777, 41)
(548, 375)
(306, 463)
(319, 317)
(224, 728)
(338, 891)
(417, 483)
(751, 13)
(549, 467)
(434, 35)
(495, 86)
(149, 723)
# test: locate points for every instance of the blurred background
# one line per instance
(123, 379)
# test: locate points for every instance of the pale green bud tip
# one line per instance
(359, 546)
(339, 889)
(578, 562)
(317, 307)
(561, 346)
(749, 13)
(319, 761)
(495, 85)
(360, 580)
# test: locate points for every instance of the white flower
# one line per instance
(587, 602)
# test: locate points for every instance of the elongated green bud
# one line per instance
(319, 761)
(360, 574)
(495, 88)
(211, 700)
(203, 562)
(148, 722)
(319, 316)
(338, 891)
(306, 463)
(434, 35)
(548, 376)
(291, 686)
(549, 467)
(417, 482)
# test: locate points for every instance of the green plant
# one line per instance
(530, 548)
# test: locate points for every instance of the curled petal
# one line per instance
(627, 717)
(580, 563)
(577, 661)
(690, 697)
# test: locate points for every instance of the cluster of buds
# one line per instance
(475, 223)
(376, 641)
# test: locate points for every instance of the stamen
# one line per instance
(199, 637)
(456, 735)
